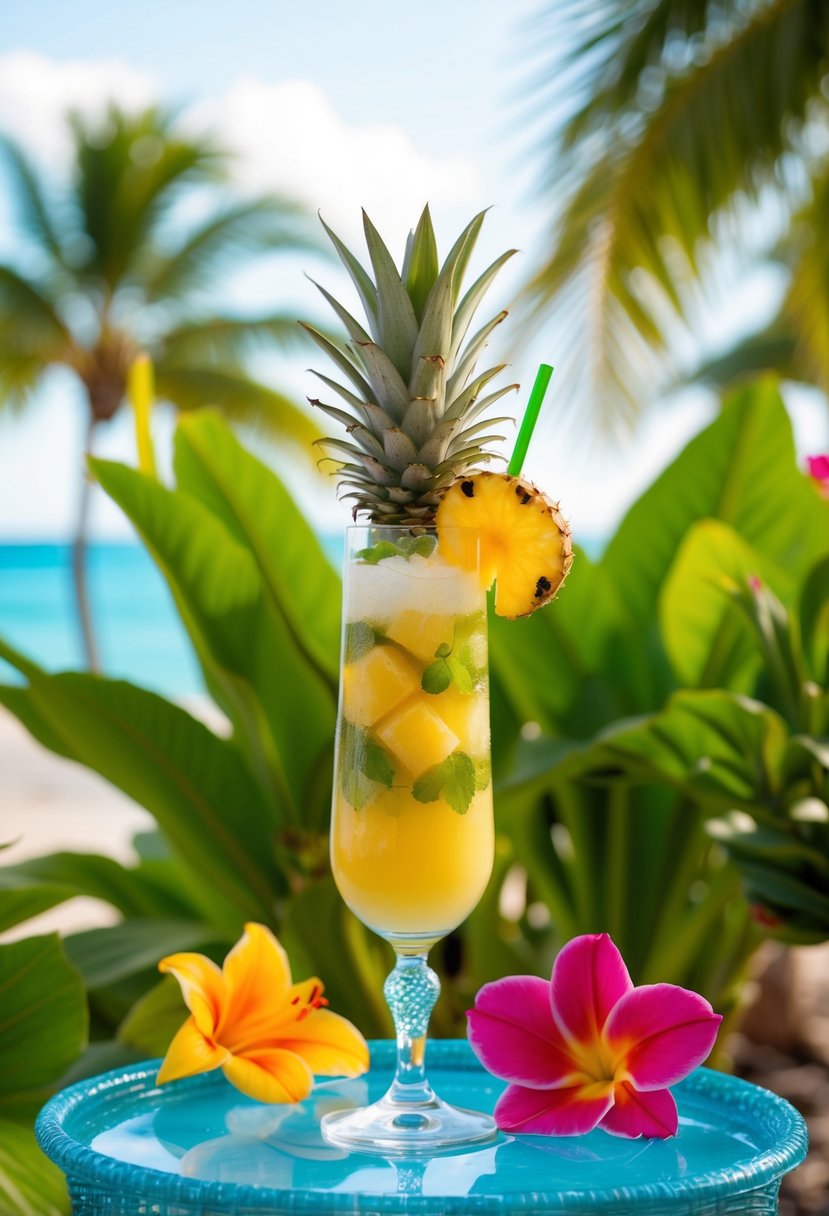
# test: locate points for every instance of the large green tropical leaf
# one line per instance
(43, 1021)
(195, 784)
(814, 621)
(211, 464)
(244, 642)
(43, 1029)
(30, 1185)
(33, 886)
(721, 749)
(708, 641)
(742, 470)
(154, 1019)
(108, 955)
(568, 651)
(21, 899)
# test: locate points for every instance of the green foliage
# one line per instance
(666, 121)
(677, 702)
(687, 627)
(43, 1027)
(29, 1184)
(105, 240)
(454, 780)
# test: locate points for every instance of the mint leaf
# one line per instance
(377, 765)
(483, 773)
(363, 766)
(453, 780)
(460, 675)
(443, 651)
(359, 640)
(406, 546)
(376, 553)
(358, 790)
(436, 677)
(423, 546)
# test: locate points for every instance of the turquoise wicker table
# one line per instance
(199, 1148)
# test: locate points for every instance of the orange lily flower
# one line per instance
(268, 1035)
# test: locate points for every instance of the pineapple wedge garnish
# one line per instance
(509, 530)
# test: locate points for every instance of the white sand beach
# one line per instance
(47, 804)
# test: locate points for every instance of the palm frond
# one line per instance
(648, 163)
(20, 375)
(795, 344)
(130, 170)
(806, 306)
(221, 338)
(772, 348)
(240, 399)
(228, 339)
(254, 226)
(29, 319)
(34, 213)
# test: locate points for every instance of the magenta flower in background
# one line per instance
(819, 470)
(588, 1049)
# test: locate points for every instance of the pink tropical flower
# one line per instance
(588, 1049)
(819, 470)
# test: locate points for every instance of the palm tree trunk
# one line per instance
(79, 570)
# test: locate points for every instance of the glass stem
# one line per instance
(411, 991)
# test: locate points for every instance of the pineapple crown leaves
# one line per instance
(411, 389)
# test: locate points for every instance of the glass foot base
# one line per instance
(407, 1129)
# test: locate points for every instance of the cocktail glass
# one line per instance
(412, 828)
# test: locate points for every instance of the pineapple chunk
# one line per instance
(418, 738)
(421, 632)
(467, 716)
(375, 684)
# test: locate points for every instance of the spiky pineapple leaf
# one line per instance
(461, 404)
(353, 327)
(342, 391)
(469, 304)
(365, 288)
(386, 382)
(467, 361)
(396, 320)
(341, 359)
(420, 265)
(435, 338)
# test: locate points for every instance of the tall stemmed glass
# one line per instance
(412, 827)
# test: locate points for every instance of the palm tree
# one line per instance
(108, 272)
(671, 129)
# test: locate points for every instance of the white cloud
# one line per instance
(287, 137)
(290, 138)
(36, 92)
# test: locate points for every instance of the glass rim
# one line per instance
(429, 528)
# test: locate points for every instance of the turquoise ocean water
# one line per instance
(139, 634)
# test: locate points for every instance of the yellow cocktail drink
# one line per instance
(412, 828)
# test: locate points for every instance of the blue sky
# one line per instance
(378, 104)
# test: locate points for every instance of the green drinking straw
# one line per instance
(529, 420)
